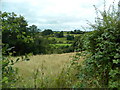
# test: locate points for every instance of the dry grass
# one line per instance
(50, 65)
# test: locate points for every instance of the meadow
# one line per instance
(53, 62)
(59, 45)
(47, 69)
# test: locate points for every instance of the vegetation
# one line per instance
(24, 39)
(96, 65)
(21, 38)
(44, 68)
(59, 34)
(101, 68)
(47, 32)
(77, 32)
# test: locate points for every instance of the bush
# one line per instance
(9, 74)
(47, 32)
(101, 67)
(70, 37)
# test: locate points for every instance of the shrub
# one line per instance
(101, 68)
(10, 74)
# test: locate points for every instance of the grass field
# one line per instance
(47, 67)
(72, 34)
(63, 39)
(59, 45)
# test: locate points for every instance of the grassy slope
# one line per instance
(59, 39)
(50, 65)
(58, 45)
(63, 39)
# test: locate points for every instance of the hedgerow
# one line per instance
(102, 66)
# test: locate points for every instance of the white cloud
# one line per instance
(56, 14)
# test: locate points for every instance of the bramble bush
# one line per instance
(102, 66)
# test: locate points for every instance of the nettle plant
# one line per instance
(102, 67)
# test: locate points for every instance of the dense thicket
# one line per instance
(102, 65)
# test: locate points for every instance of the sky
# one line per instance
(58, 15)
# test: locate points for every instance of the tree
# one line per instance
(47, 32)
(14, 30)
(33, 29)
(59, 34)
(24, 39)
(70, 37)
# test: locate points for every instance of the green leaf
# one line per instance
(23, 32)
(116, 61)
(18, 36)
(4, 79)
(117, 55)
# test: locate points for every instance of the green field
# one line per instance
(59, 45)
(63, 40)
(72, 34)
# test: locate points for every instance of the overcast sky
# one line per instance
(61, 15)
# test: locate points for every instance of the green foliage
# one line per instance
(77, 32)
(14, 31)
(24, 39)
(70, 37)
(52, 41)
(101, 67)
(59, 34)
(60, 48)
(47, 32)
(78, 43)
(9, 74)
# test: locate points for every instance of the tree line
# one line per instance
(21, 39)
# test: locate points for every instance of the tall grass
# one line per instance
(47, 71)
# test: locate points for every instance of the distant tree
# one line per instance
(70, 37)
(71, 32)
(52, 41)
(77, 32)
(47, 32)
(59, 34)
(56, 34)
(68, 32)
(33, 30)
